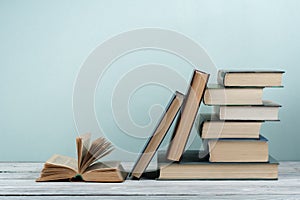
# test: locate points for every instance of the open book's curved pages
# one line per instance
(86, 167)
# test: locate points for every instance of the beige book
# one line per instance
(267, 111)
(218, 95)
(191, 167)
(86, 167)
(238, 150)
(250, 78)
(187, 116)
(211, 127)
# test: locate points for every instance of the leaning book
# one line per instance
(158, 135)
(85, 168)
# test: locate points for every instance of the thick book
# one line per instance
(268, 111)
(158, 135)
(191, 167)
(211, 127)
(238, 150)
(220, 95)
(86, 167)
(187, 116)
(250, 78)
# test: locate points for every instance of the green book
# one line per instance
(195, 167)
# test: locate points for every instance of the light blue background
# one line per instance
(44, 43)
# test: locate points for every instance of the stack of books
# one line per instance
(235, 149)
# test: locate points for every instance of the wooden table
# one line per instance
(17, 182)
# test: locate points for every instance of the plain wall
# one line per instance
(44, 43)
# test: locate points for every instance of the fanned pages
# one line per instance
(82, 144)
(158, 135)
(98, 149)
(60, 167)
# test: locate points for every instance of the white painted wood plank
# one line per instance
(212, 197)
(17, 182)
(151, 187)
(21, 167)
(19, 176)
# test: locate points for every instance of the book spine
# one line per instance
(221, 77)
(199, 124)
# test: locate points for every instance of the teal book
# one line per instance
(192, 167)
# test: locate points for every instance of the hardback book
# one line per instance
(220, 95)
(187, 116)
(250, 78)
(191, 167)
(211, 127)
(158, 135)
(267, 111)
(238, 150)
(86, 167)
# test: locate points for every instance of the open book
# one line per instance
(86, 167)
